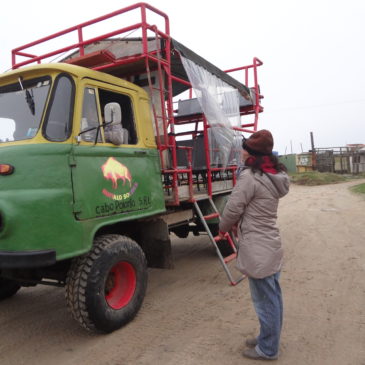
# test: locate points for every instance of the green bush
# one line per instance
(359, 189)
(317, 178)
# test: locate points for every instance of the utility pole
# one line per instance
(313, 150)
(312, 141)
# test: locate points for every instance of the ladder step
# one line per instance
(235, 282)
(211, 216)
(216, 239)
(230, 258)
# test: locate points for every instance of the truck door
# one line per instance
(110, 179)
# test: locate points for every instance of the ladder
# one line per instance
(165, 113)
(215, 241)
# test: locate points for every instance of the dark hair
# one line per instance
(258, 161)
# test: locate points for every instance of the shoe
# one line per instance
(253, 355)
(251, 342)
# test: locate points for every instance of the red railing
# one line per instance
(255, 86)
(82, 43)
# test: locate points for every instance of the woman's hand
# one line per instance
(221, 235)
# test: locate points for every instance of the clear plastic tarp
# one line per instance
(220, 104)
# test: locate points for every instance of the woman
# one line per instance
(253, 206)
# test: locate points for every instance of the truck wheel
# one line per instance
(105, 288)
(8, 288)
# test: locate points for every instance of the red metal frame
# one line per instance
(165, 78)
(82, 43)
(257, 107)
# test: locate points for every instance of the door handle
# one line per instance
(140, 152)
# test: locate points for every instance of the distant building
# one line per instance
(301, 162)
(290, 162)
(355, 146)
(342, 160)
(357, 160)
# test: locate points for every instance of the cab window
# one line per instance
(59, 116)
(127, 124)
(90, 117)
(22, 106)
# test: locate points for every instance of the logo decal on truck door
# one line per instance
(114, 171)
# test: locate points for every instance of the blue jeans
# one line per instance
(268, 303)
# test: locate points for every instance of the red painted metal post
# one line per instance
(81, 41)
(257, 93)
(190, 171)
(170, 112)
(144, 31)
(190, 174)
(13, 57)
(234, 177)
(161, 83)
(175, 185)
(207, 156)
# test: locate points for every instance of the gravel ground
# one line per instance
(192, 316)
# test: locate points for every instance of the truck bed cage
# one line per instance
(153, 60)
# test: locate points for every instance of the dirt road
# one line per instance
(191, 316)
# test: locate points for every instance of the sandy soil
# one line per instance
(192, 316)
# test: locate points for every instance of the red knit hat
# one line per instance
(260, 143)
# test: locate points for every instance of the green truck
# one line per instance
(95, 173)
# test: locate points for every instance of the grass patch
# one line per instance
(317, 178)
(359, 189)
(358, 176)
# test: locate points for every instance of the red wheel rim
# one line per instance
(120, 285)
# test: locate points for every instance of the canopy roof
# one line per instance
(117, 49)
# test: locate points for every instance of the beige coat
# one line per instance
(253, 205)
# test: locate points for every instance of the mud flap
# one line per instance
(155, 241)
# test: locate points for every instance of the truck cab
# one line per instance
(68, 171)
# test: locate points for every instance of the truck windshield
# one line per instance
(21, 108)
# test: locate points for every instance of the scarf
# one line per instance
(266, 166)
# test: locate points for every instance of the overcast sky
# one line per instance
(313, 77)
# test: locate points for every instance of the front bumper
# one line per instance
(26, 259)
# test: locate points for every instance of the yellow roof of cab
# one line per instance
(76, 71)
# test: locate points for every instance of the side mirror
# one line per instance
(113, 130)
(112, 113)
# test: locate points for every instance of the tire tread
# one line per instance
(78, 274)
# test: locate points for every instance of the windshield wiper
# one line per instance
(28, 97)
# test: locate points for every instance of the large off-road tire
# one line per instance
(105, 288)
(8, 288)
